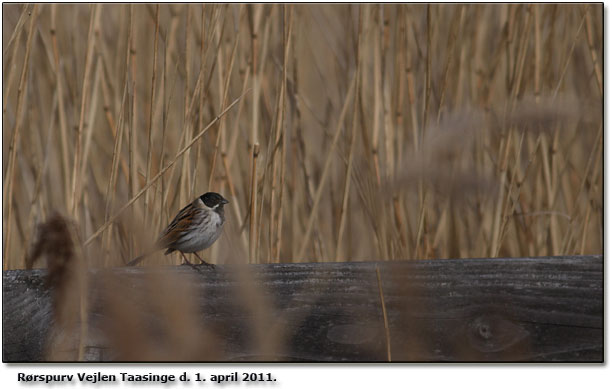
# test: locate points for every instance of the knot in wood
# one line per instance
(494, 333)
(484, 330)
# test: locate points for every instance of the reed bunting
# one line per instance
(196, 227)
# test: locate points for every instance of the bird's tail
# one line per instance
(139, 258)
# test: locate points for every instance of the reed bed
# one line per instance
(337, 132)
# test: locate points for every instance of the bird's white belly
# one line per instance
(204, 237)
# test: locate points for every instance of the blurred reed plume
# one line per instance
(58, 242)
(158, 321)
(364, 132)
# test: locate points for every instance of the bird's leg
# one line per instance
(203, 261)
(185, 258)
(189, 263)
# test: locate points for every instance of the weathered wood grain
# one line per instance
(521, 309)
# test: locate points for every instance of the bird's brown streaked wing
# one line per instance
(178, 226)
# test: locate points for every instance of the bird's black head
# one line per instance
(212, 200)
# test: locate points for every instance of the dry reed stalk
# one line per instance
(161, 172)
(223, 81)
(132, 113)
(499, 207)
(185, 178)
(347, 182)
(170, 185)
(454, 28)
(183, 140)
(162, 186)
(203, 50)
(231, 153)
(177, 190)
(569, 57)
(254, 20)
(390, 132)
(597, 165)
(15, 36)
(411, 89)
(500, 216)
(584, 231)
(326, 168)
(349, 166)
(281, 198)
(511, 30)
(259, 215)
(236, 131)
(235, 202)
(130, 55)
(377, 102)
(91, 118)
(271, 152)
(7, 196)
(76, 182)
(510, 202)
(151, 106)
(596, 200)
(400, 82)
(297, 141)
(556, 163)
(537, 50)
(63, 126)
(223, 90)
(388, 129)
(252, 204)
(262, 55)
(450, 52)
(425, 114)
(465, 44)
(10, 64)
(295, 209)
(537, 77)
(549, 184)
(589, 165)
(119, 60)
(276, 207)
(398, 212)
(416, 254)
(214, 26)
(188, 58)
(523, 226)
(108, 114)
(274, 143)
(427, 70)
(224, 93)
(280, 141)
(443, 226)
(110, 193)
(593, 51)
(519, 64)
(131, 75)
(271, 147)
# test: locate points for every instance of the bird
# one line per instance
(196, 227)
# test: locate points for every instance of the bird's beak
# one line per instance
(224, 201)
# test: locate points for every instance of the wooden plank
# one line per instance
(521, 309)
